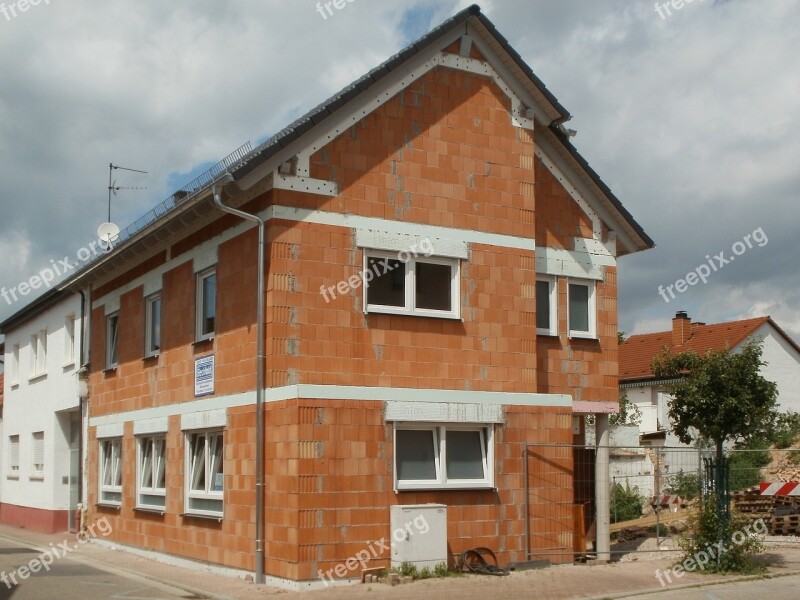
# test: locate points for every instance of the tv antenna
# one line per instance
(113, 188)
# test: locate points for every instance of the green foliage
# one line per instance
(629, 413)
(745, 467)
(626, 503)
(707, 529)
(720, 397)
(661, 529)
(685, 485)
(407, 569)
(794, 457)
(787, 428)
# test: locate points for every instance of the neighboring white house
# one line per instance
(41, 420)
(780, 352)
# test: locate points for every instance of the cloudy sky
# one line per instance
(691, 116)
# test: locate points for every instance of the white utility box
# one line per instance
(419, 535)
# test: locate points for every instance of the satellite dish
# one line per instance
(108, 232)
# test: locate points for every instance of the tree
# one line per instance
(629, 413)
(719, 397)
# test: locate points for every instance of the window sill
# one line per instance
(543, 333)
(13, 477)
(147, 509)
(109, 505)
(14, 386)
(207, 340)
(36, 478)
(151, 357)
(371, 310)
(35, 378)
(585, 337)
(192, 515)
(444, 488)
(68, 365)
(112, 369)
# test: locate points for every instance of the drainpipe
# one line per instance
(259, 575)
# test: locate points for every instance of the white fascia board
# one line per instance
(208, 248)
(210, 411)
(401, 227)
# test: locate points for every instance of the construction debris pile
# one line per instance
(780, 513)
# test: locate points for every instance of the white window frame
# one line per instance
(151, 497)
(38, 356)
(410, 307)
(69, 340)
(208, 494)
(13, 456)
(439, 431)
(592, 308)
(14, 373)
(37, 438)
(107, 493)
(149, 302)
(200, 306)
(112, 362)
(553, 299)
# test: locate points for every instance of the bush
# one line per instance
(707, 530)
(745, 468)
(626, 503)
(660, 529)
(685, 485)
(787, 428)
(441, 570)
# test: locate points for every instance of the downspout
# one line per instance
(259, 559)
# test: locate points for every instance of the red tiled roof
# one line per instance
(637, 352)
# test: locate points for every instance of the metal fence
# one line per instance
(654, 491)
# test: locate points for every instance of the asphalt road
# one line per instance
(778, 588)
(69, 578)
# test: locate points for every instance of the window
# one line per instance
(13, 455)
(111, 471)
(15, 365)
(112, 341)
(443, 456)
(152, 490)
(152, 325)
(69, 340)
(426, 287)
(581, 309)
(38, 363)
(38, 454)
(206, 304)
(546, 306)
(205, 481)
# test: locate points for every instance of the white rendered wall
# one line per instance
(783, 367)
(33, 405)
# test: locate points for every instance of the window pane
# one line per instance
(209, 303)
(578, 307)
(113, 339)
(543, 304)
(416, 455)
(464, 455)
(388, 284)
(216, 478)
(434, 286)
(116, 462)
(147, 464)
(106, 451)
(198, 472)
(159, 456)
(155, 325)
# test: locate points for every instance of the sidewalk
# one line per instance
(563, 582)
